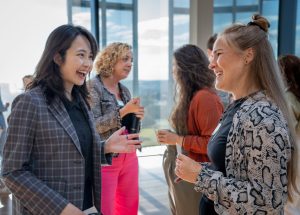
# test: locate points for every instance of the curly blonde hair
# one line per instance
(108, 57)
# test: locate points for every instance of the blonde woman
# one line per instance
(251, 167)
(111, 101)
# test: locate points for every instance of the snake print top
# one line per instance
(257, 153)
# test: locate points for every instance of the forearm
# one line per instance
(34, 194)
(196, 144)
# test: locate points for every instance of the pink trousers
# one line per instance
(120, 192)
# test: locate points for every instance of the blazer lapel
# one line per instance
(59, 111)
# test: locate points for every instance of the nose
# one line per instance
(212, 62)
(87, 62)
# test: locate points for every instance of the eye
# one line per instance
(81, 55)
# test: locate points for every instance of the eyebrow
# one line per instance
(217, 50)
(83, 50)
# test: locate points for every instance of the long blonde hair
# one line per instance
(266, 72)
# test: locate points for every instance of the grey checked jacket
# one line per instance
(105, 107)
(43, 165)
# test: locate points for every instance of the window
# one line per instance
(228, 12)
(163, 25)
(297, 49)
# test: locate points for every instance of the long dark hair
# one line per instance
(47, 73)
(290, 68)
(192, 74)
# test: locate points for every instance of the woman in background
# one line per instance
(111, 101)
(290, 68)
(195, 115)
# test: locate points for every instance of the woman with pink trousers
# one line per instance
(110, 102)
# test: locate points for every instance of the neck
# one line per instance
(244, 93)
(111, 83)
(68, 95)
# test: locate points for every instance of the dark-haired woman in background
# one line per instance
(252, 165)
(52, 154)
(290, 68)
(195, 115)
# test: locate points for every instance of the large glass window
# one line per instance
(270, 9)
(82, 16)
(228, 12)
(163, 25)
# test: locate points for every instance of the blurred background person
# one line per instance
(225, 97)
(111, 102)
(3, 108)
(290, 68)
(27, 79)
(209, 46)
(195, 115)
(252, 164)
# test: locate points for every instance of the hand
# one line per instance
(6, 104)
(167, 137)
(118, 142)
(187, 169)
(70, 209)
(133, 106)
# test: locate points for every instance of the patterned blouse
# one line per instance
(105, 107)
(257, 153)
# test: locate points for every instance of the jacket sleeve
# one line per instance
(106, 114)
(265, 150)
(206, 111)
(17, 162)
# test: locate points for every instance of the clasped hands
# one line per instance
(133, 106)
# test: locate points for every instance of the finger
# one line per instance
(120, 131)
(182, 157)
(133, 136)
(134, 142)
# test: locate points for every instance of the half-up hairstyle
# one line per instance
(191, 74)
(265, 71)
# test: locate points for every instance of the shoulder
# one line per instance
(293, 100)
(206, 97)
(32, 97)
(261, 114)
(94, 83)
(124, 89)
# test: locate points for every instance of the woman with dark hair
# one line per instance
(252, 169)
(53, 153)
(195, 115)
(290, 69)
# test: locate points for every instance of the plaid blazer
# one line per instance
(43, 165)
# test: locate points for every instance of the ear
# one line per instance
(249, 55)
(57, 59)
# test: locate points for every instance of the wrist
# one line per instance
(107, 148)
(179, 140)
